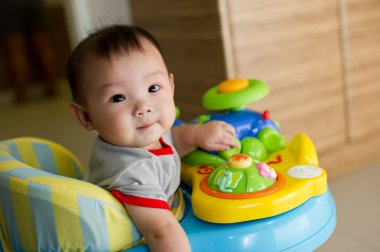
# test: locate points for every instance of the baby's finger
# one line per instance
(229, 128)
(218, 147)
(230, 140)
(234, 142)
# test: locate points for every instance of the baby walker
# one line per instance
(265, 195)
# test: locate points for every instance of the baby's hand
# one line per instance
(215, 136)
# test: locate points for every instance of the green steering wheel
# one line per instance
(234, 94)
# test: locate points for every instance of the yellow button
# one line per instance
(240, 161)
(234, 85)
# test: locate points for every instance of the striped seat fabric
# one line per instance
(45, 206)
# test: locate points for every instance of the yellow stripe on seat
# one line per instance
(4, 152)
(65, 208)
(86, 189)
(4, 148)
(180, 209)
(3, 233)
(67, 199)
(65, 164)
(27, 153)
(68, 229)
(12, 164)
(121, 234)
(22, 211)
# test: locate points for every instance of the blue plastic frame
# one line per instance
(304, 228)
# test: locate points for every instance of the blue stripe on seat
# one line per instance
(43, 216)
(79, 174)
(176, 200)
(95, 234)
(136, 235)
(45, 157)
(4, 158)
(9, 214)
(13, 150)
(25, 173)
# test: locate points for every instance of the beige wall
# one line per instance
(86, 15)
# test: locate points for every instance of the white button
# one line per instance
(304, 171)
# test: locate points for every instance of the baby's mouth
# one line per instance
(145, 126)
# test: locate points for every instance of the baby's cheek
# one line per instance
(171, 113)
(166, 118)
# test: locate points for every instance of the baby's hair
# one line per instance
(104, 44)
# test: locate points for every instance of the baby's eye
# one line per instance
(153, 88)
(118, 98)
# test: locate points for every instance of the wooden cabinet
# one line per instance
(363, 67)
(321, 60)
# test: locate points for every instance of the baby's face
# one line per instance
(130, 98)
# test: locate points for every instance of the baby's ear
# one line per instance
(171, 79)
(81, 115)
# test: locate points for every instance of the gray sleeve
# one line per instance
(132, 171)
(141, 179)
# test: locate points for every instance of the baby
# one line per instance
(122, 88)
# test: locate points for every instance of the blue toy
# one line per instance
(257, 134)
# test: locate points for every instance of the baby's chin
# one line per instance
(147, 139)
(127, 142)
(148, 143)
(153, 146)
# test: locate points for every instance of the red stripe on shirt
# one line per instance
(165, 150)
(140, 201)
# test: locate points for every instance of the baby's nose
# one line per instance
(142, 110)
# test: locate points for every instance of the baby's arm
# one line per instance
(160, 228)
(211, 136)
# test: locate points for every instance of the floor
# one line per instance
(358, 207)
(356, 195)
